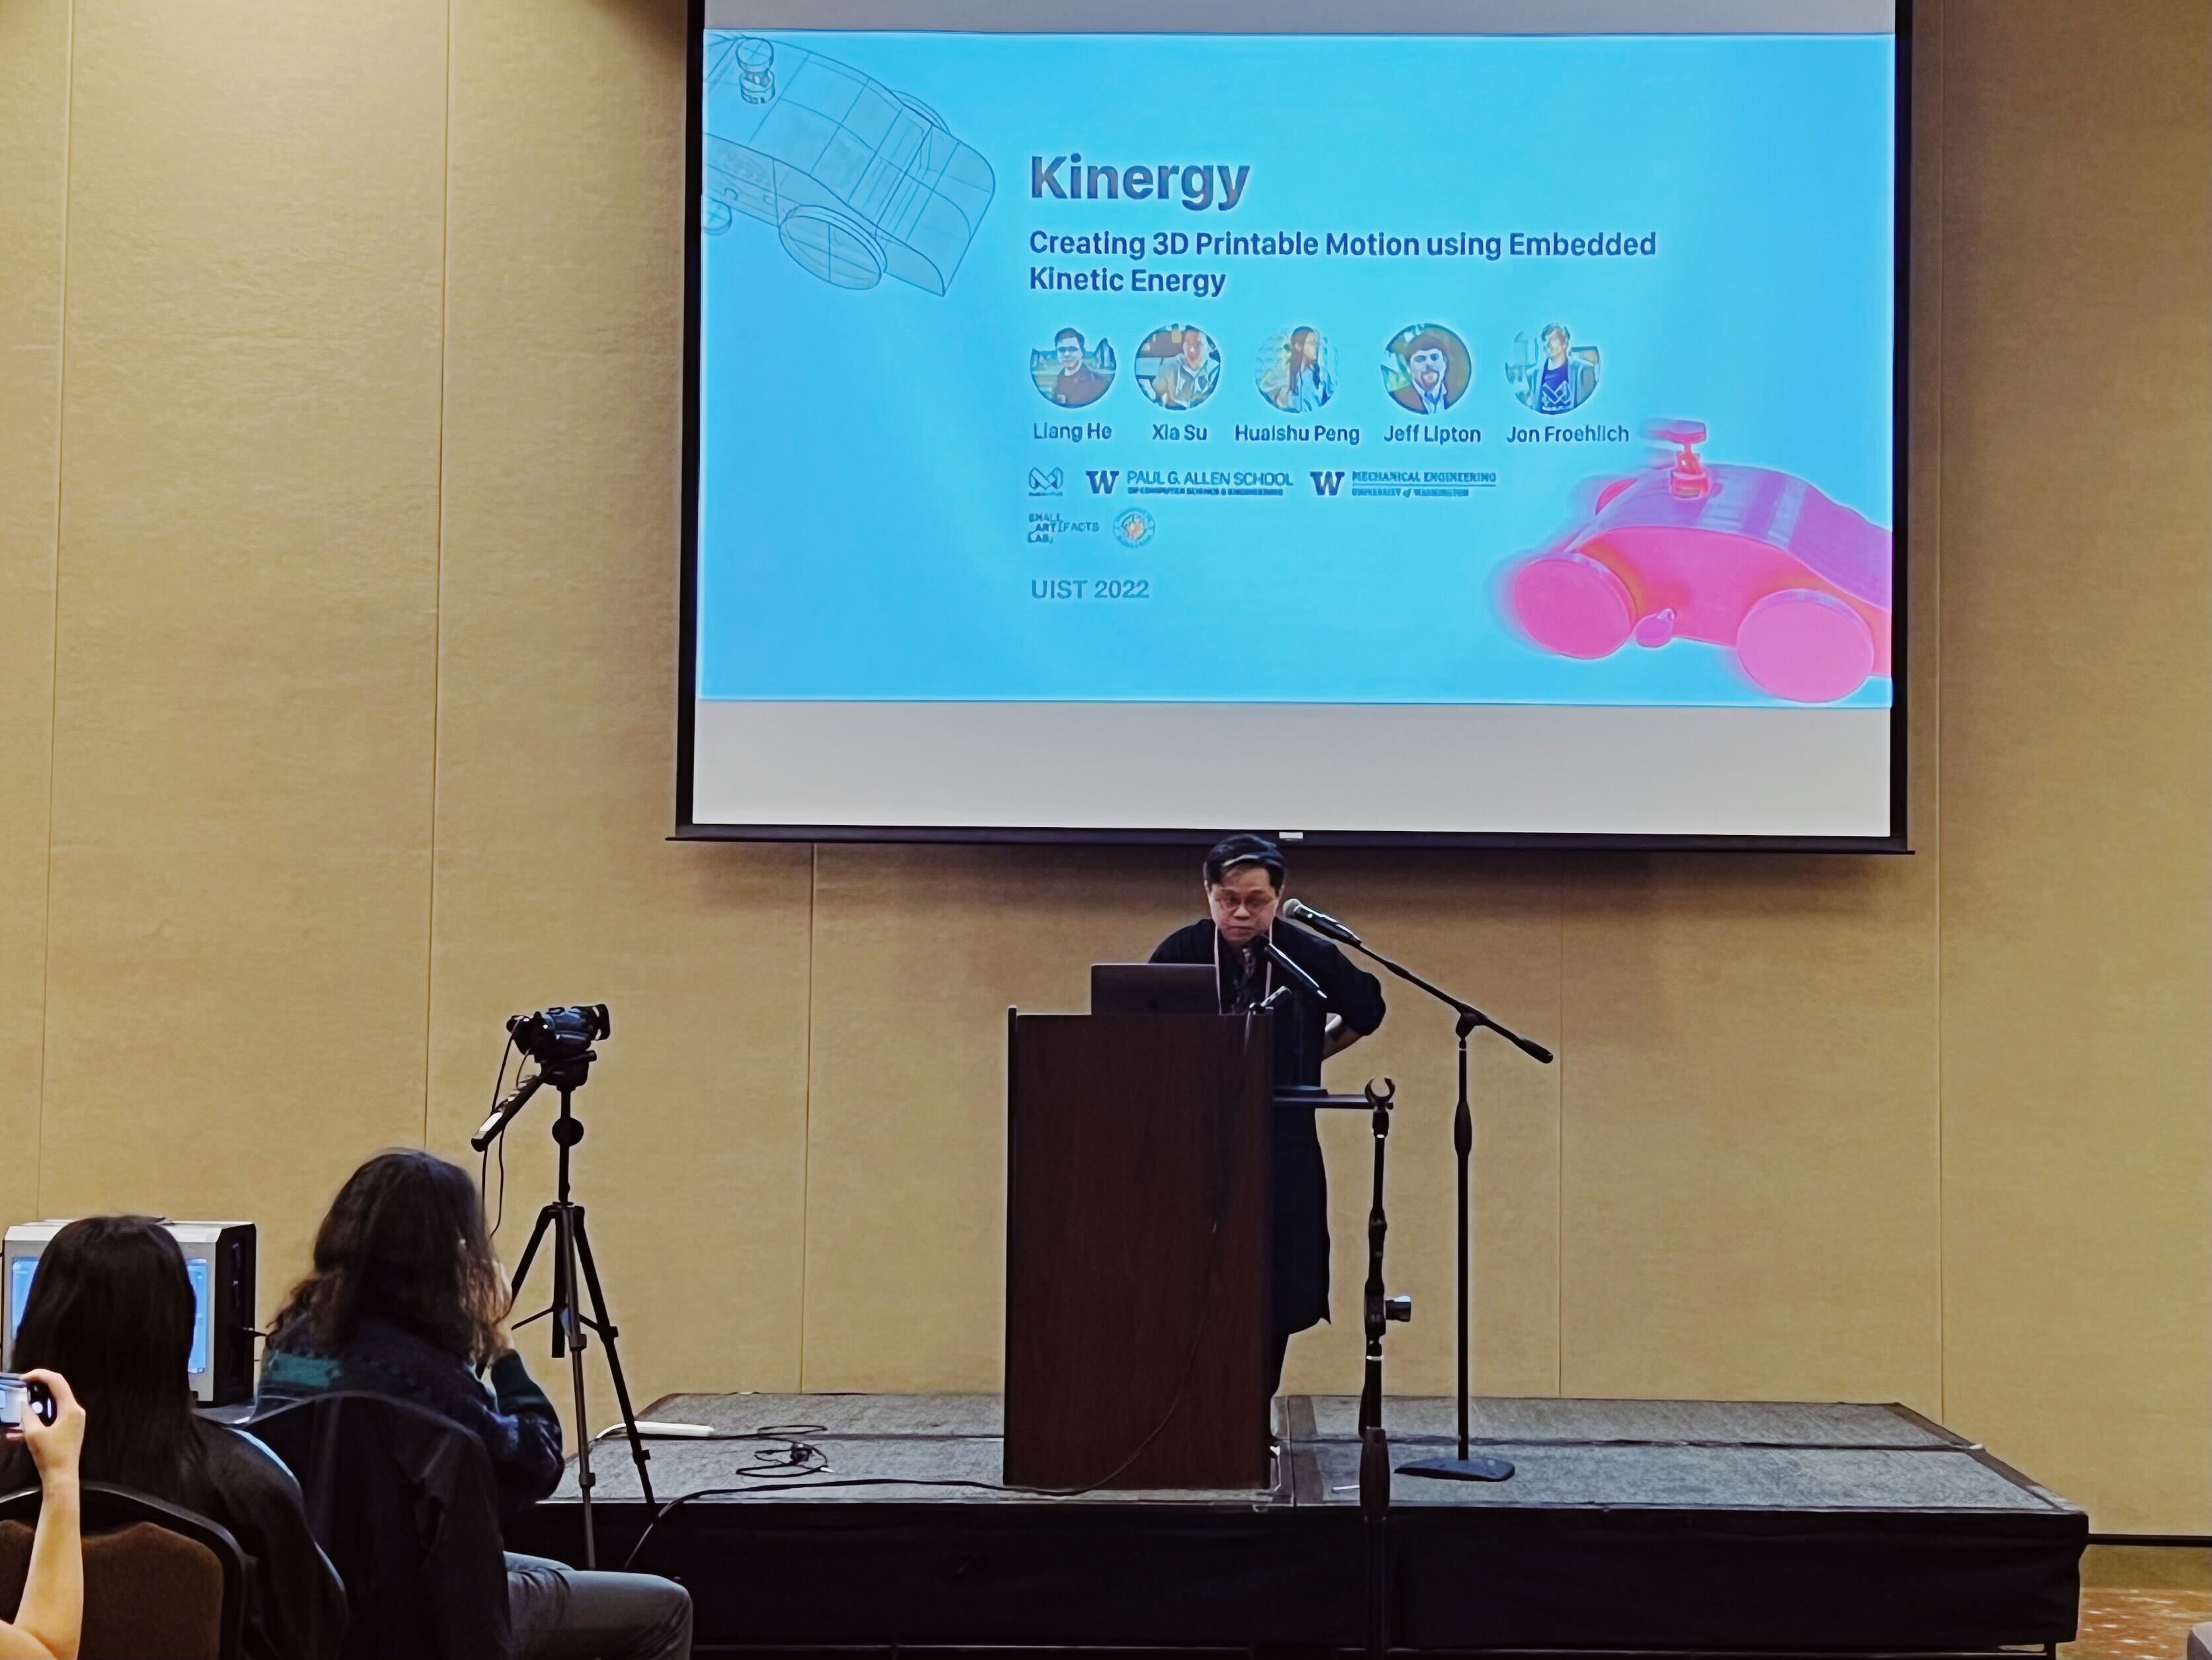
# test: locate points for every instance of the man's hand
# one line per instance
(502, 1340)
(57, 1448)
(1337, 1036)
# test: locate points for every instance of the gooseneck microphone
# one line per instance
(1319, 921)
(1282, 959)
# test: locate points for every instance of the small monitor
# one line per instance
(1154, 989)
(219, 1261)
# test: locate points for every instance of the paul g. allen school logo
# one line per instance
(1132, 527)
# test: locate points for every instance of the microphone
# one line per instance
(503, 1114)
(1527, 1046)
(1275, 954)
(1319, 921)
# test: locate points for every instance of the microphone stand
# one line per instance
(1463, 1467)
(1379, 1309)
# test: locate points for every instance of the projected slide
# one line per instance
(1456, 372)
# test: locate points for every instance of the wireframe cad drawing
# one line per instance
(1740, 556)
(860, 181)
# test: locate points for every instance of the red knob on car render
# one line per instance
(1689, 478)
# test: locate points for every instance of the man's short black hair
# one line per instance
(1075, 335)
(1237, 850)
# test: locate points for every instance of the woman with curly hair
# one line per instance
(405, 1299)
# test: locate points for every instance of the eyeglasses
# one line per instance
(1234, 903)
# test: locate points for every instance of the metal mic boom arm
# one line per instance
(1470, 1017)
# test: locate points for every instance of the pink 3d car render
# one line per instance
(1747, 558)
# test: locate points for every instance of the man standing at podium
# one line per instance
(1244, 884)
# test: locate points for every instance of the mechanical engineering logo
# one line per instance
(1132, 527)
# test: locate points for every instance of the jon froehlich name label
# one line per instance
(1197, 184)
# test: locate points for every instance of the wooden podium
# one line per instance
(1138, 1168)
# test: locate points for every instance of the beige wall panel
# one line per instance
(1487, 928)
(243, 709)
(555, 882)
(918, 953)
(34, 139)
(1749, 1130)
(2078, 1336)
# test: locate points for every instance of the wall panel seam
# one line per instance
(438, 573)
(1941, 105)
(54, 637)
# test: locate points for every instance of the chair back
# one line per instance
(404, 1501)
(160, 1582)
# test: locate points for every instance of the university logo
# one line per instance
(1327, 484)
(1046, 482)
(1101, 483)
(1134, 527)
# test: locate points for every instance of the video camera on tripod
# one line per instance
(560, 1040)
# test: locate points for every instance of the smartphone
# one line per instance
(15, 1392)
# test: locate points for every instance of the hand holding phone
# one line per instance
(17, 1394)
(41, 1410)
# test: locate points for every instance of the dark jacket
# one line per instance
(403, 1498)
(295, 1607)
(512, 1416)
(1300, 1233)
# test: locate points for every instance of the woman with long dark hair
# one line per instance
(1302, 381)
(111, 1309)
(405, 1299)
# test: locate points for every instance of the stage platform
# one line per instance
(1658, 1527)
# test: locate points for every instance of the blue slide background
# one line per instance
(863, 502)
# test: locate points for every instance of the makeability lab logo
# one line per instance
(1046, 481)
(1133, 528)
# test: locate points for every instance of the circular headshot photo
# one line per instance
(1549, 372)
(1071, 371)
(1297, 370)
(1425, 368)
(1178, 367)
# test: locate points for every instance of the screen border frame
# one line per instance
(1898, 839)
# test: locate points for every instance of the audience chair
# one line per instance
(404, 1501)
(160, 1583)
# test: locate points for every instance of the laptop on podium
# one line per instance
(1153, 989)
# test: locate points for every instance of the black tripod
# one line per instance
(571, 1252)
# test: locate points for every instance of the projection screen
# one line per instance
(1402, 422)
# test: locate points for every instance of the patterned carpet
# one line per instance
(2120, 1623)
